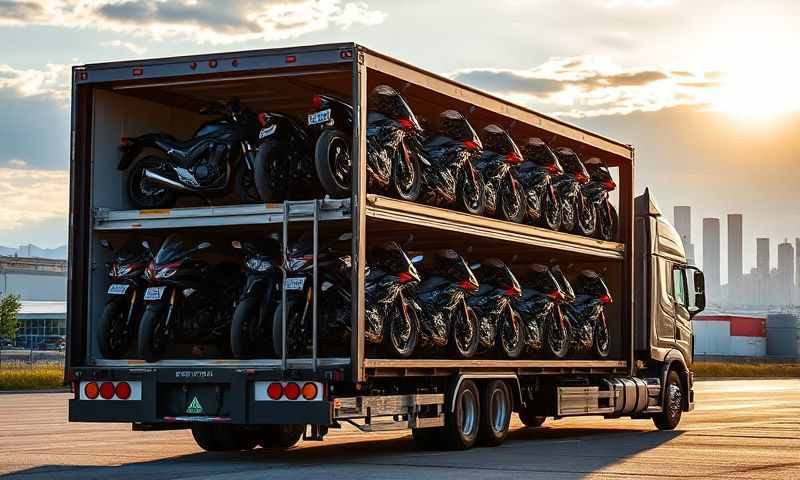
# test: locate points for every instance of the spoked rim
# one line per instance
(468, 413)
(509, 337)
(601, 339)
(514, 200)
(471, 193)
(339, 160)
(116, 331)
(463, 325)
(406, 173)
(401, 332)
(498, 404)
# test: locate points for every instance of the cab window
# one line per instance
(679, 286)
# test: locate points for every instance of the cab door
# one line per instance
(683, 317)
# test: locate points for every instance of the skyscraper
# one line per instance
(711, 257)
(785, 272)
(760, 291)
(762, 257)
(797, 261)
(734, 254)
(683, 224)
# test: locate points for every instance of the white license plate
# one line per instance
(294, 283)
(266, 132)
(118, 289)
(154, 293)
(319, 117)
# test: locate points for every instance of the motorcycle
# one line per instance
(577, 213)
(596, 191)
(446, 320)
(504, 195)
(499, 323)
(217, 159)
(186, 298)
(117, 323)
(586, 314)
(252, 319)
(537, 174)
(452, 178)
(394, 146)
(542, 319)
(331, 123)
(283, 163)
(334, 302)
(390, 317)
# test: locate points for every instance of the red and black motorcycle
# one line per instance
(504, 195)
(577, 213)
(498, 321)
(538, 173)
(597, 191)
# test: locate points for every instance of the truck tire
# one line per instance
(496, 408)
(461, 425)
(280, 436)
(333, 159)
(531, 420)
(670, 417)
(222, 438)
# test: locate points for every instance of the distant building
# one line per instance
(711, 257)
(797, 261)
(683, 224)
(761, 293)
(39, 321)
(734, 254)
(785, 273)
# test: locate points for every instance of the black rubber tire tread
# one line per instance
(267, 150)
(146, 325)
(667, 420)
(321, 152)
(111, 310)
(486, 434)
(531, 420)
(453, 437)
(168, 198)
(240, 341)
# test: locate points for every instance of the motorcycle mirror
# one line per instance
(417, 259)
(203, 245)
(146, 244)
(474, 266)
(105, 243)
(236, 244)
(346, 236)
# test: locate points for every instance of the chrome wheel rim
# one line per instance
(499, 409)
(468, 413)
(674, 400)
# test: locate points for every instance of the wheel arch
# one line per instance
(480, 378)
(674, 360)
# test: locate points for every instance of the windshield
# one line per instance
(570, 161)
(497, 140)
(385, 99)
(173, 248)
(563, 283)
(453, 125)
(597, 169)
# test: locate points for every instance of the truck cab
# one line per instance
(669, 293)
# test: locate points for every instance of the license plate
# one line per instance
(118, 289)
(294, 283)
(266, 132)
(319, 117)
(154, 293)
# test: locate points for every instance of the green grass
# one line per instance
(22, 376)
(720, 369)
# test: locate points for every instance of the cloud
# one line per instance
(32, 196)
(130, 46)
(202, 21)
(592, 85)
(53, 81)
(17, 163)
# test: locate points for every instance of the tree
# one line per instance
(9, 308)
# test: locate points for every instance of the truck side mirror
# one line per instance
(698, 291)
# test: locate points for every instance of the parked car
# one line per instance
(54, 342)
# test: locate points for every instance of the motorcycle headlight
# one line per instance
(166, 272)
(258, 264)
(123, 270)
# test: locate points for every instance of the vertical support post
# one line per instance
(358, 202)
(315, 288)
(285, 238)
(626, 207)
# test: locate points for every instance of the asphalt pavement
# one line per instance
(743, 429)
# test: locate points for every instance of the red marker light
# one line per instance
(91, 390)
(235, 62)
(83, 76)
(309, 391)
(291, 391)
(193, 65)
(107, 390)
(275, 391)
(124, 141)
(139, 71)
(290, 59)
(123, 390)
(346, 54)
(212, 64)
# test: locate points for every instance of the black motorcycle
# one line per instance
(499, 323)
(187, 298)
(577, 213)
(586, 314)
(596, 191)
(216, 160)
(390, 316)
(284, 168)
(452, 179)
(117, 324)
(334, 301)
(543, 322)
(252, 319)
(331, 128)
(537, 175)
(446, 320)
(394, 149)
(504, 195)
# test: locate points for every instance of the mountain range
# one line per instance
(30, 250)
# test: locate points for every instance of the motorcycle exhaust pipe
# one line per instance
(166, 182)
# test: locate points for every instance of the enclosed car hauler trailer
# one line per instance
(227, 402)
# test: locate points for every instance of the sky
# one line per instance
(705, 90)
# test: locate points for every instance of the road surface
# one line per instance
(740, 429)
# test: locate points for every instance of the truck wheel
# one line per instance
(222, 438)
(333, 161)
(204, 437)
(496, 408)
(670, 417)
(280, 436)
(531, 420)
(461, 426)
(464, 337)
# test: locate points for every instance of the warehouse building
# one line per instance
(730, 336)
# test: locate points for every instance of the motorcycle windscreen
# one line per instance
(385, 99)
(453, 125)
(597, 169)
(571, 162)
(497, 140)
(537, 152)
(173, 248)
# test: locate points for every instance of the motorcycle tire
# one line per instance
(410, 188)
(569, 215)
(587, 219)
(510, 338)
(607, 223)
(471, 198)
(556, 346)
(241, 341)
(152, 338)
(333, 160)
(277, 327)
(459, 345)
(402, 330)
(272, 157)
(144, 194)
(551, 214)
(602, 341)
(512, 205)
(112, 339)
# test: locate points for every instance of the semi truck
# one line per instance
(274, 400)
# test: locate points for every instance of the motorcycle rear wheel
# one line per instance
(152, 335)
(112, 337)
(510, 338)
(601, 344)
(143, 193)
(406, 174)
(471, 198)
(271, 158)
(464, 337)
(332, 157)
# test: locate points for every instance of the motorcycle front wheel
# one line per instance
(294, 309)
(587, 218)
(332, 158)
(569, 215)
(471, 195)
(510, 338)
(601, 339)
(153, 337)
(406, 174)
(401, 336)
(112, 336)
(270, 169)
(607, 221)
(144, 193)
(551, 213)
(244, 335)
(512, 203)
(556, 339)
(464, 337)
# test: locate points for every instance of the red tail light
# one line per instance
(91, 390)
(316, 102)
(262, 119)
(605, 298)
(291, 391)
(471, 145)
(107, 390)
(406, 123)
(468, 286)
(275, 391)
(609, 185)
(513, 158)
(581, 177)
(123, 390)
(309, 391)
